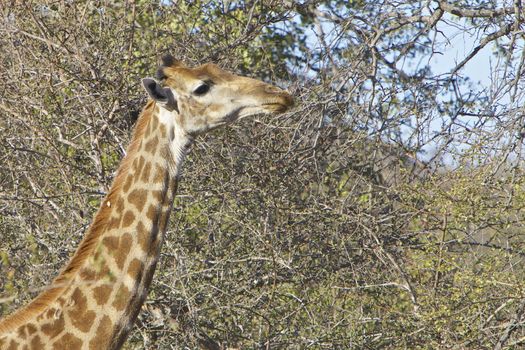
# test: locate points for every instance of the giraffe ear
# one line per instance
(164, 96)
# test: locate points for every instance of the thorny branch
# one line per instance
(385, 211)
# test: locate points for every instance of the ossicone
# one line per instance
(167, 61)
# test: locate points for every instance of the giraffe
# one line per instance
(95, 299)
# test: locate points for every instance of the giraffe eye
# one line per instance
(201, 90)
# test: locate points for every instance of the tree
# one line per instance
(385, 211)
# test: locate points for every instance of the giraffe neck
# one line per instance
(95, 300)
(136, 229)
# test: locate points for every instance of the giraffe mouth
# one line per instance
(280, 103)
(275, 107)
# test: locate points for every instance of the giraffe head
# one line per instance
(203, 98)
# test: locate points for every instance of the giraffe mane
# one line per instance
(88, 243)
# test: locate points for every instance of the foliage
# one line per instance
(384, 211)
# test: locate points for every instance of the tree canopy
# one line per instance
(384, 211)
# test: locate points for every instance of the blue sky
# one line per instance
(461, 43)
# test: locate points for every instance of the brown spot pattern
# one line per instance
(135, 268)
(127, 183)
(121, 298)
(81, 317)
(160, 173)
(101, 293)
(50, 313)
(21, 331)
(114, 223)
(157, 195)
(151, 145)
(36, 343)
(128, 219)
(102, 335)
(152, 212)
(68, 341)
(123, 250)
(53, 328)
(98, 270)
(97, 255)
(138, 197)
(25, 331)
(87, 274)
(146, 172)
(119, 207)
(111, 243)
(154, 122)
(31, 329)
(13, 345)
(143, 236)
(61, 301)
